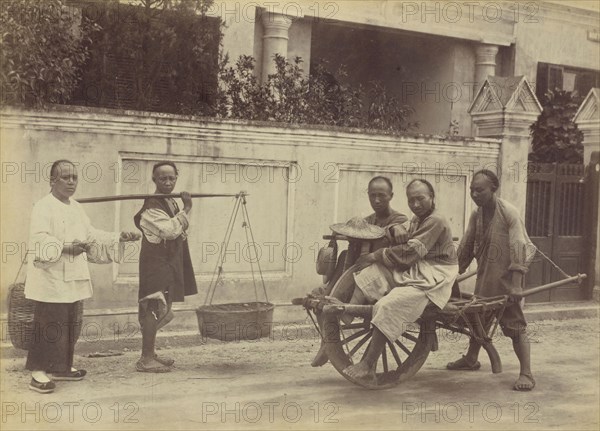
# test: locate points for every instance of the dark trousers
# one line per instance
(53, 337)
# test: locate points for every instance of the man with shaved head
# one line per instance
(62, 242)
(497, 239)
(402, 279)
(166, 272)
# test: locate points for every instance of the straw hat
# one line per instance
(358, 228)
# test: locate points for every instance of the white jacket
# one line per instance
(52, 276)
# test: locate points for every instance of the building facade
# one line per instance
(432, 54)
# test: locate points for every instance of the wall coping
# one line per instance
(159, 118)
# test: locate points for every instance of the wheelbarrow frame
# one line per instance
(473, 316)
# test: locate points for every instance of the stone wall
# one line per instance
(300, 180)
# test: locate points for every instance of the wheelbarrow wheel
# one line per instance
(346, 343)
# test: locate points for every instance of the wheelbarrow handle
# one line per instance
(578, 278)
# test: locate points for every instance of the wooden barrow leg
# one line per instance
(485, 341)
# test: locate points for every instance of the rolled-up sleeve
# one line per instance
(403, 256)
(158, 226)
(522, 250)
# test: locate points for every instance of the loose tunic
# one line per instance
(57, 282)
(395, 218)
(52, 276)
(407, 276)
(504, 247)
(165, 262)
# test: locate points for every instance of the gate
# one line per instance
(554, 219)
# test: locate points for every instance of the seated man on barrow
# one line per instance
(404, 278)
(380, 192)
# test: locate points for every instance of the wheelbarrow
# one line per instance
(345, 343)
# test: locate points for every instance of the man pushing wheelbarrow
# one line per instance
(496, 237)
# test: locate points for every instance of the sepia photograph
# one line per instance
(300, 214)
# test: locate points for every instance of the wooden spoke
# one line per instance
(345, 344)
(365, 352)
(411, 337)
(344, 327)
(355, 336)
(403, 347)
(384, 360)
(360, 343)
(395, 353)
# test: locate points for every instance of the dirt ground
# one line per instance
(269, 384)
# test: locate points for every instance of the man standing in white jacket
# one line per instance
(62, 241)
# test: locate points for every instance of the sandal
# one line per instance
(69, 375)
(164, 360)
(530, 378)
(42, 388)
(463, 365)
(142, 368)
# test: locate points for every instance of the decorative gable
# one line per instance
(511, 94)
(589, 111)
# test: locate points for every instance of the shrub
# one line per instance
(42, 51)
(320, 98)
(556, 137)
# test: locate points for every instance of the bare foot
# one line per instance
(464, 364)
(165, 360)
(524, 383)
(151, 363)
(362, 373)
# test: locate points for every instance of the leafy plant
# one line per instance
(320, 98)
(164, 55)
(42, 51)
(242, 96)
(385, 112)
(331, 101)
(556, 137)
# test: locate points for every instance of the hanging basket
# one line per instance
(20, 318)
(236, 321)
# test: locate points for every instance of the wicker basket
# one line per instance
(20, 317)
(236, 321)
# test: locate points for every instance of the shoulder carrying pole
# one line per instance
(154, 195)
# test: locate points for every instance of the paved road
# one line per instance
(270, 384)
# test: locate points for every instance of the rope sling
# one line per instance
(217, 275)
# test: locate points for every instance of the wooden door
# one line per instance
(554, 221)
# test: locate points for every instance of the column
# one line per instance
(275, 40)
(485, 63)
